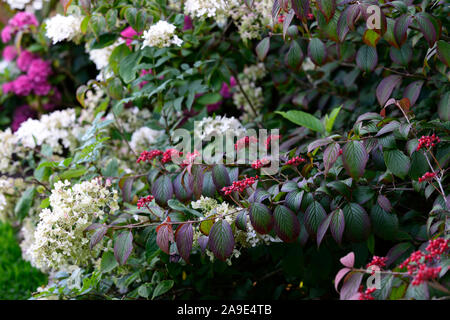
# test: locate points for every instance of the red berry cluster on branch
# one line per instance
(149, 155)
(377, 261)
(416, 262)
(169, 153)
(366, 295)
(427, 176)
(244, 142)
(143, 201)
(295, 161)
(240, 185)
(270, 138)
(258, 164)
(428, 141)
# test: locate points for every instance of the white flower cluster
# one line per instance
(59, 237)
(10, 191)
(22, 4)
(60, 28)
(252, 21)
(162, 34)
(217, 9)
(53, 129)
(7, 148)
(27, 233)
(143, 137)
(254, 93)
(218, 126)
(100, 57)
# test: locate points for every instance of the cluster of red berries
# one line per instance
(377, 261)
(149, 155)
(281, 18)
(416, 262)
(366, 295)
(169, 153)
(427, 176)
(309, 16)
(270, 138)
(143, 201)
(244, 142)
(428, 141)
(295, 161)
(258, 164)
(240, 185)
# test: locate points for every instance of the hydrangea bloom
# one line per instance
(59, 236)
(24, 60)
(161, 34)
(9, 53)
(143, 138)
(218, 126)
(217, 9)
(60, 28)
(22, 4)
(21, 21)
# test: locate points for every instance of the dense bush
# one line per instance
(116, 202)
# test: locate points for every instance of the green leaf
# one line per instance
(354, 158)
(263, 48)
(366, 58)
(123, 246)
(221, 239)
(25, 202)
(314, 216)
(294, 57)
(162, 287)
(357, 222)
(397, 162)
(108, 262)
(385, 225)
(261, 218)
(304, 119)
(286, 224)
(327, 7)
(162, 190)
(209, 98)
(443, 52)
(317, 51)
(220, 176)
(127, 67)
(329, 120)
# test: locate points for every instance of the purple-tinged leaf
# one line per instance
(353, 15)
(323, 227)
(98, 236)
(337, 225)
(220, 176)
(183, 185)
(367, 58)
(400, 29)
(164, 235)
(354, 158)
(330, 155)
(286, 224)
(443, 107)
(391, 126)
(123, 246)
(184, 236)
(351, 285)
(424, 20)
(287, 22)
(293, 200)
(397, 251)
(276, 9)
(342, 25)
(314, 216)
(261, 218)
(126, 185)
(94, 226)
(357, 222)
(221, 240)
(259, 196)
(319, 143)
(301, 8)
(368, 116)
(289, 186)
(203, 243)
(162, 190)
(241, 220)
(412, 91)
(294, 57)
(402, 55)
(385, 88)
(197, 180)
(341, 274)
(317, 51)
(348, 260)
(208, 188)
(262, 49)
(443, 52)
(327, 7)
(384, 203)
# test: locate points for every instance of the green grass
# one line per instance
(18, 279)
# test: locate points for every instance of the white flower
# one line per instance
(55, 129)
(217, 9)
(60, 240)
(17, 4)
(7, 148)
(143, 138)
(161, 34)
(60, 28)
(101, 56)
(218, 126)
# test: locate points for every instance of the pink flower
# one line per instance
(187, 23)
(215, 106)
(22, 20)
(39, 70)
(22, 85)
(7, 33)
(128, 34)
(143, 73)
(9, 53)
(8, 87)
(24, 60)
(42, 88)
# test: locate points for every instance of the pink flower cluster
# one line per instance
(428, 176)
(416, 263)
(428, 141)
(129, 34)
(240, 185)
(144, 201)
(35, 77)
(21, 21)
